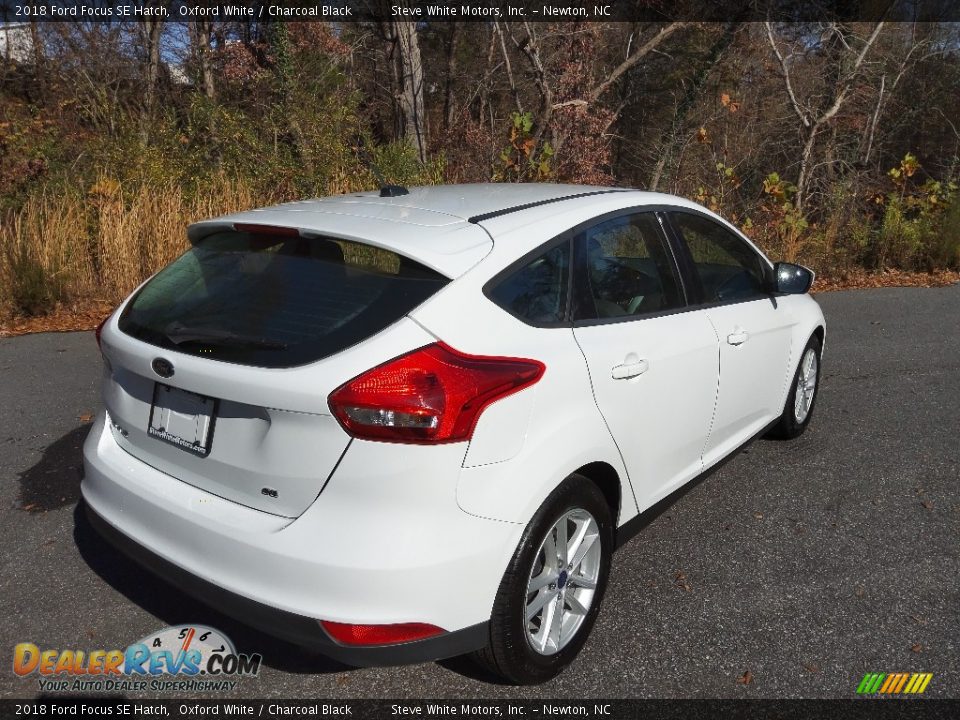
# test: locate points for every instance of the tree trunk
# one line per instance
(448, 109)
(412, 113)
(151, 33)
(202, 30)
(39, 58)
(804, 177)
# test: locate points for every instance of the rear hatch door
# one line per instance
(220, 366)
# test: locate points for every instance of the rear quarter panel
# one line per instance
(527, 443)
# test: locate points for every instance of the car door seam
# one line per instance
(716, 395)
(596, 403)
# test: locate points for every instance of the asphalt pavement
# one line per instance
(798, 567)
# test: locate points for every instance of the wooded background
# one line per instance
(831, 144)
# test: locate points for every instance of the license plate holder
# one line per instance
(183, 419)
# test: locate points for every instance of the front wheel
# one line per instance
(550, 594)
(798, 410)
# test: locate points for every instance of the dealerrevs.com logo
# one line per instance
(182, 658)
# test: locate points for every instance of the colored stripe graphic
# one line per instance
(894, 683)
(900, 682)
(914, 683)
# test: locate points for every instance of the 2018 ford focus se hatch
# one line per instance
(408, 425)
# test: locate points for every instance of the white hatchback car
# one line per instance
(416, 424)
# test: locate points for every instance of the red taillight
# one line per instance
(99, 331)
(347, 634)
(431, 395)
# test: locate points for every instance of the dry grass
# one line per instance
(60, 250)
(65, 259)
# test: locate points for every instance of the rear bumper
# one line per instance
(293, 628)
(385, 543)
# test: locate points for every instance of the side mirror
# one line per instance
(792, 279)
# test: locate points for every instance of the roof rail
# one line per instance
(517, 208)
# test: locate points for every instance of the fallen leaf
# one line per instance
(86, 417)
(29, 506)
(758, 515)
(680, 580)
(927, 504)
(746, 678)
(811, 667)
(860, 592)
(916, 647)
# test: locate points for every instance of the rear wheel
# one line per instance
(550, 594)
(798, 410)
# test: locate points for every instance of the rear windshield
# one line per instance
(275, 301)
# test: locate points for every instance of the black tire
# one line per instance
(788, 427)
(509, 652)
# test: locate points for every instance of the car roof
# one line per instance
(438, 225)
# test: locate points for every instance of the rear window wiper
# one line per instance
(177, 333)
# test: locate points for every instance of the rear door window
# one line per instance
(625, 269)
(275, 300)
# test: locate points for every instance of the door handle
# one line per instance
(738, 337)
(629, 370)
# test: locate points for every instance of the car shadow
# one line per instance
(54, 480)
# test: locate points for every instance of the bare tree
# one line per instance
(813, 111)
(530, 47)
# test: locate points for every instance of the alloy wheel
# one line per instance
(563, 581)
(806, 386)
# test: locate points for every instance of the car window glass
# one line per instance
(537, 292)
(728, 268)
(275, 300)
(626, 269)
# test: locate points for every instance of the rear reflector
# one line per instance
(347, 634)
(266, 230)
(431, 395)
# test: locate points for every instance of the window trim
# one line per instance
(688, 266)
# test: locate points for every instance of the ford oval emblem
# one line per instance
(162, 367)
